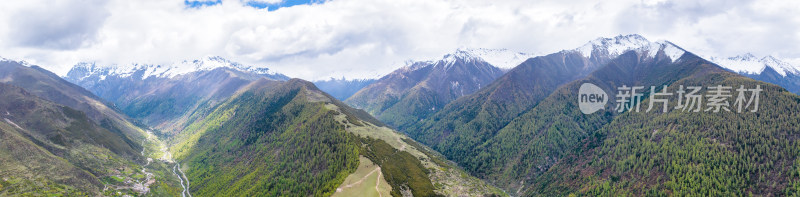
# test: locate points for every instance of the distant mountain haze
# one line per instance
(342, 88)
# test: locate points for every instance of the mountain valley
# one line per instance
(468, 124)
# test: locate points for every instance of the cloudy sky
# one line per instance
(316, 39)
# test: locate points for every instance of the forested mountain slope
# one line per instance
(517, 128)
(422, 88)
(290, 138)
(726, 153)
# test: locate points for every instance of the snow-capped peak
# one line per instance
(780, 66)
(615, 46)
(750, 64)
(620, 44)
(21, 62)
(165, 71)
(501, 58)
(671, 50)
(744, 57)
(461, 54)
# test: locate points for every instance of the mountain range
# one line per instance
(302, 135)
(421, 88)
(524, 133)
(476, 122)
(164, 96)
(673, 152)
(240, 133)
(767, 69)
(465, 129)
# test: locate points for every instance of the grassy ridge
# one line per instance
(402, 170)
(367, 180)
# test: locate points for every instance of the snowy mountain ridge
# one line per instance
(501, 58)
(750, 64)
(21, 62)
(620, 44)
(166, 71)
(506, 59)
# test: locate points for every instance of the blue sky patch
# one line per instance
(197, 4)
(255, 4)
(282, 4)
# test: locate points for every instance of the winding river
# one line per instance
(182, 177)
(176, 170)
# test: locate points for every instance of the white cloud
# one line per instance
(364, 38)
(52, 26)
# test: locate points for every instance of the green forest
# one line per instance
(278, 145)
